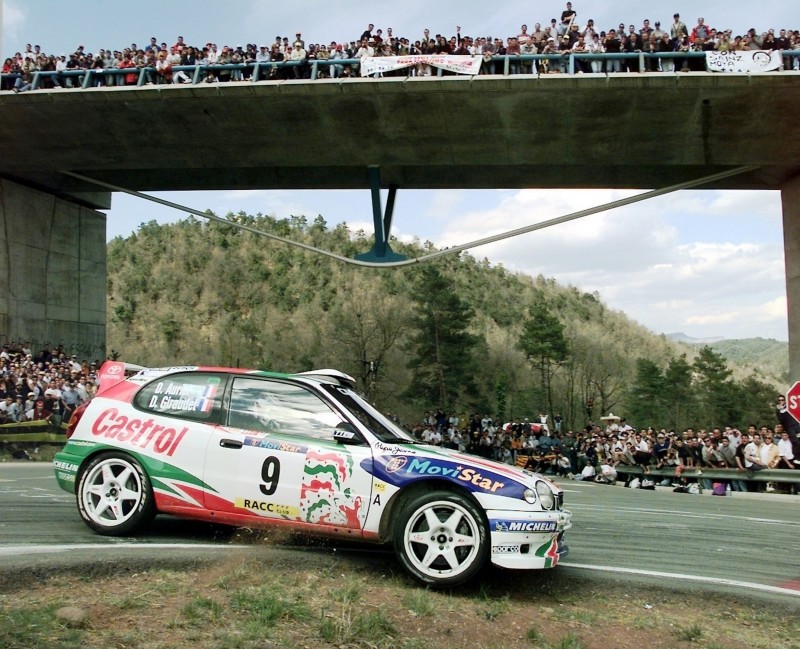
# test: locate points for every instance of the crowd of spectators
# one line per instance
(563, 35)
(596, 452)
(45, 385)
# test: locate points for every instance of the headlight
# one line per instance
(529, 496)
(546, 495)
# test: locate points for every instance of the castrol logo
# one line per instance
(141, 433)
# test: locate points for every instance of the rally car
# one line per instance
(304, 451)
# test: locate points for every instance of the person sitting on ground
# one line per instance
(607, 475)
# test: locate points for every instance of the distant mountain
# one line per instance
(683, 338)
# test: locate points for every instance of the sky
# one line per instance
(705, 263)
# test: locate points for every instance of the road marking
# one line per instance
(681, 514)
(14, 550)
(683, 577)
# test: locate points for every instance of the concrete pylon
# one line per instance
(52, 272)
(790, 199)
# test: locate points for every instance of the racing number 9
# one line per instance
(270, 474)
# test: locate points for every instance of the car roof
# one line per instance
(146, 374)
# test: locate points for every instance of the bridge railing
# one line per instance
(503, 65)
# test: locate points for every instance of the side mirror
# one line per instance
(345, 433)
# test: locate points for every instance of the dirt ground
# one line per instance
(320, 600)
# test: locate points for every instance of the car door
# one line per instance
(276, 457)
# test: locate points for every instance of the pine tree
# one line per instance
(647, 394)
(679, 399)
(545, 345)
(442, 347)
(715, 389)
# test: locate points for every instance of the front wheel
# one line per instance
(114, 495)
(441, 538)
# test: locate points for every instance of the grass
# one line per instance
(690, 634)
(262, 600)
(202, 610)
(420, 602)
(37, 628)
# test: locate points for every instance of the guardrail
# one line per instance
(709, 474)
(714, 474)
(198, 73)
(39, 432)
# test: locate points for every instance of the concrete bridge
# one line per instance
(584, 131)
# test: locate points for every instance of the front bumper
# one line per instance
(528, 540)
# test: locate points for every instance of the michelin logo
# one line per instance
(525, 526)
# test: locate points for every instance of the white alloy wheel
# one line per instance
(114, 495)
(441, 538)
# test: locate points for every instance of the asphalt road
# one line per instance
(742, 543)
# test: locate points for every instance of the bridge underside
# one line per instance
(585, 131)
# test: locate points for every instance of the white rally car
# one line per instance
(304, 451)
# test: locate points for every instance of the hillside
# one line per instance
(766, 356)
(207, 293)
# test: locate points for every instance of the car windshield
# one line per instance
(382, 427)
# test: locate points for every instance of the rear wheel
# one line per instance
(114, 495)
(441, 538)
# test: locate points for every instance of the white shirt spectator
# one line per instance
(785, 449)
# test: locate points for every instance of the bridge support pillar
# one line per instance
(52, 272)
(790, 198)
(381, 250)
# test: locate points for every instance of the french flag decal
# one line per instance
(206, 402)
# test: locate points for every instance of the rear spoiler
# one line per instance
(113, 372)
(340, 378)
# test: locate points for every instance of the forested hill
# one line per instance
(460, 333)
(767, 355)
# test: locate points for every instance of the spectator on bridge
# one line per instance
(701, 30)
(163, 69)
(127, 63)
(678, 30)
(513, 50)
(665, 44)
(224, 75)
(632, 44)
(10, 69)
(568, 17)
(612, 45)
(24, 83)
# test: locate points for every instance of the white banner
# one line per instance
(746, 61)
(454, 63)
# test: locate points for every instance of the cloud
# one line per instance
(634, 257)
(13, 19)
(244, 194)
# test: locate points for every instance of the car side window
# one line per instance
(275, 406)
(191, 395)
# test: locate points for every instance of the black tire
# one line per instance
(114, 495)
(441, 538)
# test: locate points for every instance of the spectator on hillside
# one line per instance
(785, 450)
(39, 412)
(9, 410)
